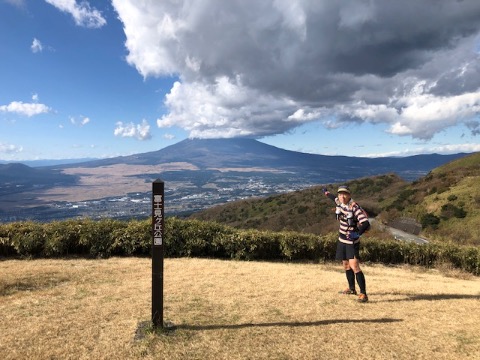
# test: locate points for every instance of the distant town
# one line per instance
(180, 200)
(198, 174)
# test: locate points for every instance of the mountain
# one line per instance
(208, 154)
(47, 162)
(15, 178)
(197, 173)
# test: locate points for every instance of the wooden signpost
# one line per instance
(158, 227)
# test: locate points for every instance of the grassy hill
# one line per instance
(306, 210)
(445, 201)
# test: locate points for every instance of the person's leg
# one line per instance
(355, 266)
(342, 254)
(350, 278)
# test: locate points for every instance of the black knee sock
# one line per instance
(361, 282)
(350, 278)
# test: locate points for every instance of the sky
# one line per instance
(369, 78)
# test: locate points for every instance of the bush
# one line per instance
(97, 236)
(62, 238)
(27, 238)
(449, 210)
(132, 238)
(452, 197)
(430, 220)
(208, 239)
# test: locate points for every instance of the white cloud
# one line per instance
(17, 3)
(36, 46)
(10, 149)
(224, 109)
(441, 149)
(81, 12)
(80, 121)
(419, 115)
(169, 136)
(257, 68)
(138, 131)
(28, 109)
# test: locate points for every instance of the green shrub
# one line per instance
(449, 210)
(97, 237)
(298, 246)
(452, 197)
(62, 238)
(132, 238)
(430, 220)
(27, 238)
(6, 244)
(196, 238)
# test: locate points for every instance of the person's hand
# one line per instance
(352, 235)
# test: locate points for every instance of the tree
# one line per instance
(430, 220)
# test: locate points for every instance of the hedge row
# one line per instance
(193, 238)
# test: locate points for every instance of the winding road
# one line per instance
(399, 234)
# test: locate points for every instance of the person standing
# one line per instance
(353, 221)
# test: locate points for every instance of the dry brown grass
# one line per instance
(92, 309)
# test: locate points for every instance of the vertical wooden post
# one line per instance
(158, 223)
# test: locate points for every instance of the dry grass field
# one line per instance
(96, 309)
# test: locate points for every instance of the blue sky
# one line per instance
(358, 78)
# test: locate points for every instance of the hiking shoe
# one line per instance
(348, 291)
(363, 298)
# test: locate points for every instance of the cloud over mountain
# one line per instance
(258, 68)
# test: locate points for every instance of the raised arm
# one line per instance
(328, 194)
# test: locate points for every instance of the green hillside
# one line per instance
(306, 210)
(446, 202)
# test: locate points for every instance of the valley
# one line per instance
(124, 191)
(198, 174)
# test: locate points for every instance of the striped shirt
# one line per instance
(350, 216)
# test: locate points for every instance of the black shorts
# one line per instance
(347, 251)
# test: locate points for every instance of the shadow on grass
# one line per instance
(286, 324)
(428, 297)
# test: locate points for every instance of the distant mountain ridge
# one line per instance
(21, 174)
(198, 174)
(46, 162)
(247, 153)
